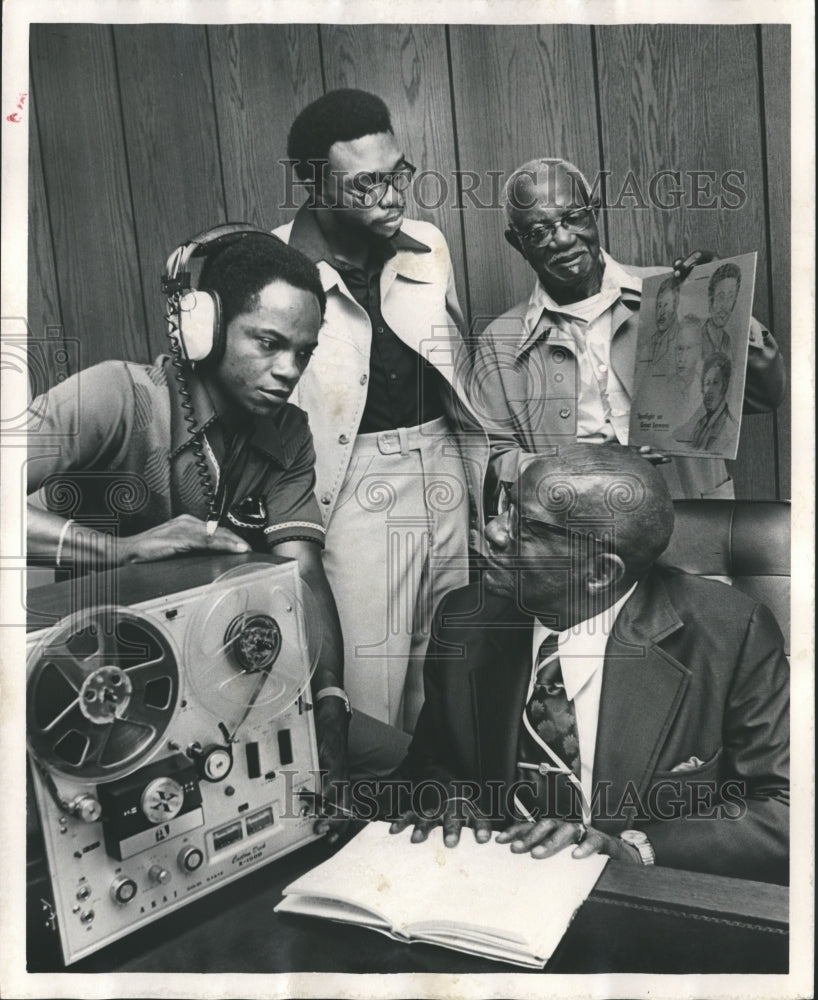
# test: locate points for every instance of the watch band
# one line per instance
(643, 846)
(335, 692)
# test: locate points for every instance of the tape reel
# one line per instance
(252, 644)
(103, 688)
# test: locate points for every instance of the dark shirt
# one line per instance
(125, 460)
(403, 390)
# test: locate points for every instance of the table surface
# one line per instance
(636, 920)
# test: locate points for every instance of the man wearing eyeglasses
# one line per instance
(559, 367)
(585, 698)
(383, 398)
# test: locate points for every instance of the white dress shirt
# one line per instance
(586, 328)
(582, 658)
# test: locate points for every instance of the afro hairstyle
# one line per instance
(239, 271)
(338, 116)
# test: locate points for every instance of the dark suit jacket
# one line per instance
(693, 668)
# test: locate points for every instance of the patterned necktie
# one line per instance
(550, 715)
(549, 720)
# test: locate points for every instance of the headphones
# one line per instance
(195, 317)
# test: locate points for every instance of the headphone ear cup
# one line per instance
(200, 326)
(219, 332)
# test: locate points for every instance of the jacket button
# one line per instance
(364, 379)
(558, 355)
(565, 413)
(559, 377)
(326, 498)
(343, 439)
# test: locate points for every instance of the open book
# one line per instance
(477, 898)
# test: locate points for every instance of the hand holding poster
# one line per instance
(691, 359)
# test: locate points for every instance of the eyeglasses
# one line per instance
(507, 506)
(370, 189)
(574, 221)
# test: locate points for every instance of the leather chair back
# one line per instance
(745, 540)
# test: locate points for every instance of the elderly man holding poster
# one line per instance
(559, 366)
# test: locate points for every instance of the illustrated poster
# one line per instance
(691, 359)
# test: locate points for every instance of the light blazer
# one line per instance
(693, 669)
(419, 302)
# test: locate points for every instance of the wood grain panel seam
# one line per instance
(145, 338)
(456, 140)
(219, 154)
(321, 63)
(599, 132)
(46, 207)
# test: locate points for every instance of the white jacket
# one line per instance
(419, 302)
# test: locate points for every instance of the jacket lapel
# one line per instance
(642, 689)
(623, 348)
(499, 685)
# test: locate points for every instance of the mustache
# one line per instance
(558, 258)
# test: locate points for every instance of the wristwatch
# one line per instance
(640, 841)
(335, 692)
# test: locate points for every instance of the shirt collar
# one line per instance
(582, 648)
(616, 282)
(720, 413)
(717, 339)
(266, 434)
(308, 237)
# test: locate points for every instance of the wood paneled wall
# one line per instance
(142, 135)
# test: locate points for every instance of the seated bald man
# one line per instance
(587, 697)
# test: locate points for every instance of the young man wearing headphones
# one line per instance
(384, 394)
(200, 450)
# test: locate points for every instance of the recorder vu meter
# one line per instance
(170, 738)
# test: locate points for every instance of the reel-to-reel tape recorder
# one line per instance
(171, 743)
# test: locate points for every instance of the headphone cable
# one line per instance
(199, 459)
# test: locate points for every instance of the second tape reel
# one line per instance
(234, 643)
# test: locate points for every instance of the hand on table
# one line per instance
(546, 837)
(184, 533)
(458, 812)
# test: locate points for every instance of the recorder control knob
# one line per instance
(214, 762)
(123, 889)
(190, 858)
(86, 808)
(158, 875)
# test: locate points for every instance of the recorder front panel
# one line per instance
(147, 803)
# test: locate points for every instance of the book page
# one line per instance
(483, 888)
(331, 909)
